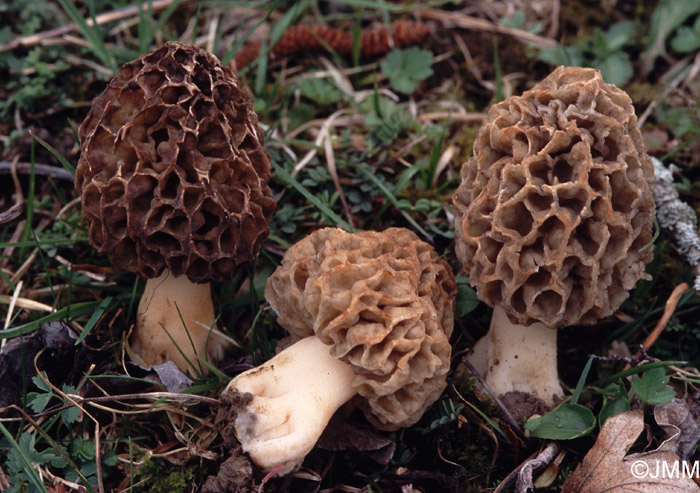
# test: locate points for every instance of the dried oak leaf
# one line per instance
(606, 466)
(682, 431)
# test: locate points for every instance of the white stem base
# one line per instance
(294, 396)
(514, 357)
(167, 302)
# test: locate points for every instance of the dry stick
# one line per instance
(544, 458)
(101, 19)
(453, 117)
(504, 410)
(14, 212)
(74, 399)
(148, 395)
(39, 169)
(330, 161)
(19, 229)
(512, 477)
(4, 483)
(671, 304)
(669, 86)
(554, 28)
(677, 217)
(10, 310)
(98, 459)
(468, 22)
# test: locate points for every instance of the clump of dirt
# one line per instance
(231, 403)
(235, 475)
(236, 472)
(522, 405)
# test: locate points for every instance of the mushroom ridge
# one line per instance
(172, 169)
(554, 209)
(384, 302)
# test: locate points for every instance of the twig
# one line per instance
(677, 217)
(453, 117)
(554, 28)
(39, 169)
(512, 477)
(468, 22)
(11, 309)
(504, 410)
(12, 213)
(98, 459)
(693, 72)
(147, 395)
(675, 81)
(101, 19)
(4, 483)
(671, 304)
(58, 479)
(543, 459)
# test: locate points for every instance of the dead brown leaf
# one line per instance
(682, 430)
(607, 468)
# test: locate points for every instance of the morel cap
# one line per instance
(172, 170)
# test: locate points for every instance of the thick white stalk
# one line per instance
(174, 323)
(514, 357)
(294, 396)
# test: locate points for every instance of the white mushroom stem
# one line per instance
(514, 357)
(175, 322)
(294, 396)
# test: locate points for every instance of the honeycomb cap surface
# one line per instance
(554, 209)
(384, 302)
(172, 172)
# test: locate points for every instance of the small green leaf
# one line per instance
(619, 35)
(110, 458)
(406, 68)
(405, 85)
(466, 297)
(21, 458)
(687, 39)
(40, 383)
(514, 21)
(562, 55)
(82, 449)
(667, 16)
(564, 423)
(70, 415)
(320, 91)
(612, 407)
(616, 68)
(37, 401)
(651, 387)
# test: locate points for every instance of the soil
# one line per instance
(236, 472)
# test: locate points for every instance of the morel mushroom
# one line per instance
(370, 314)
(174, 185)
(554, 218)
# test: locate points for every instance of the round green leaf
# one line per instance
(564, 423)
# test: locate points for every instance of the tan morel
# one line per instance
(369, 314)
(174, 185)
(554, 217)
